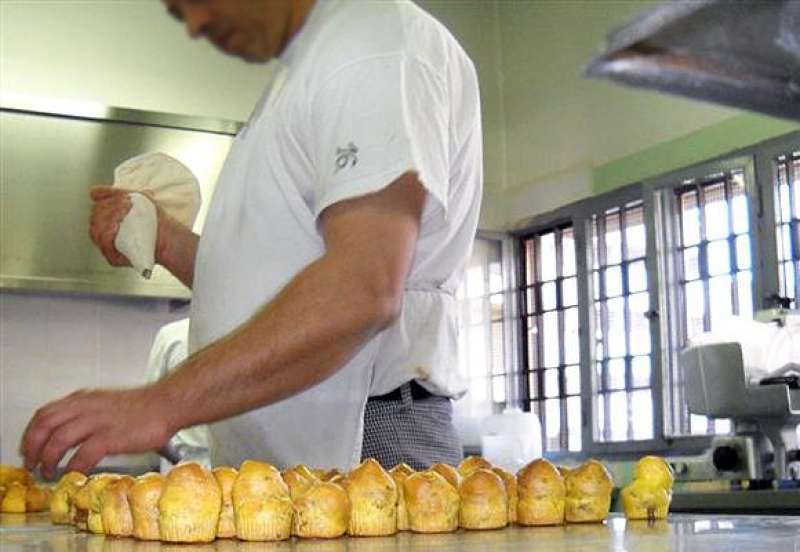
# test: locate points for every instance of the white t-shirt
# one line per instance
(169, 350)
(367, 91)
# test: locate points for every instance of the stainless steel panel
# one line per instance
(49, 162)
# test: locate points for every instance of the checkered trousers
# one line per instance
(419, 432)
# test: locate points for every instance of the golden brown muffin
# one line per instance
(511, 491)
(484, 502)
(472, 463)
(59, 503)
(190, 505)
(115, 510)
(299, 479)
(399, 474)
(143, 498)
(649, 494)
(542, 494)
(322, 512)
(432, 503)
(79, 506)
(656, 470)
(14, 474)
(261, 503)
(95, 486)
(14, 499)
(589, 489)
(373, 500)
(37, 499)
(226, 476)
(447, 471)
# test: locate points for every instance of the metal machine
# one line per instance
(764, 414)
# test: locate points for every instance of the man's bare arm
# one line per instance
(283, 349)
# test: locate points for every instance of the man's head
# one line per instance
(254, 30)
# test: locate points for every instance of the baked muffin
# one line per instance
(399, 474)
(14, 499)
(322, 511)
(472, 463)
(37, 499)
(511, 491)
(143, 498)
(447, 471)
(226, 476)
(261, 503)
(59, 503)
(373, 500)
(79, 506)
(96, 485)
(542, 494)
(589, 489)
(650, 493)
(432, 503)
(115, 510)
(14, 474)
(190, 505)
(484, 502)
(655, 470)
(299, 479)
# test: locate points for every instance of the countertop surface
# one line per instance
(681, 532)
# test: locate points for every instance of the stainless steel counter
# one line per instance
(682, 532)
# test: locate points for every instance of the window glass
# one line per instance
(622, 330)
(482, 331)
(552, 362)
(715, 277)
(787, 220)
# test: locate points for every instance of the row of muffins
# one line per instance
(259, 503)
(19, 493)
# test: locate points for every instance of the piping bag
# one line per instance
(153, 177)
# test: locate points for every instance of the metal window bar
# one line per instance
(532, 311)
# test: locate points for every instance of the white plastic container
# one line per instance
(512, 439)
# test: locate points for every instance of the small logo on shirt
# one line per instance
(346, 156)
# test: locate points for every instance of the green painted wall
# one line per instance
(707, 143)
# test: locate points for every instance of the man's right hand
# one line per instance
(110, 206)
(176, 245)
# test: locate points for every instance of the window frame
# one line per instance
(659, 201)
(662, 191)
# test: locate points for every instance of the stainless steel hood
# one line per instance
(50, 153)
(741, 53)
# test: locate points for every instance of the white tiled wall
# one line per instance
(53, 344)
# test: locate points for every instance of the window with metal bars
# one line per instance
(481, 330)
(715, 279)
(787, 219)
(621, 387)
(551, 346)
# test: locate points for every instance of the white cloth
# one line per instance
(170, 349)
(367, 92)
(167, 182)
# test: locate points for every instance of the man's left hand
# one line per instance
(97, 423)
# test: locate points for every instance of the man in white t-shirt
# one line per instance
(325, 275)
